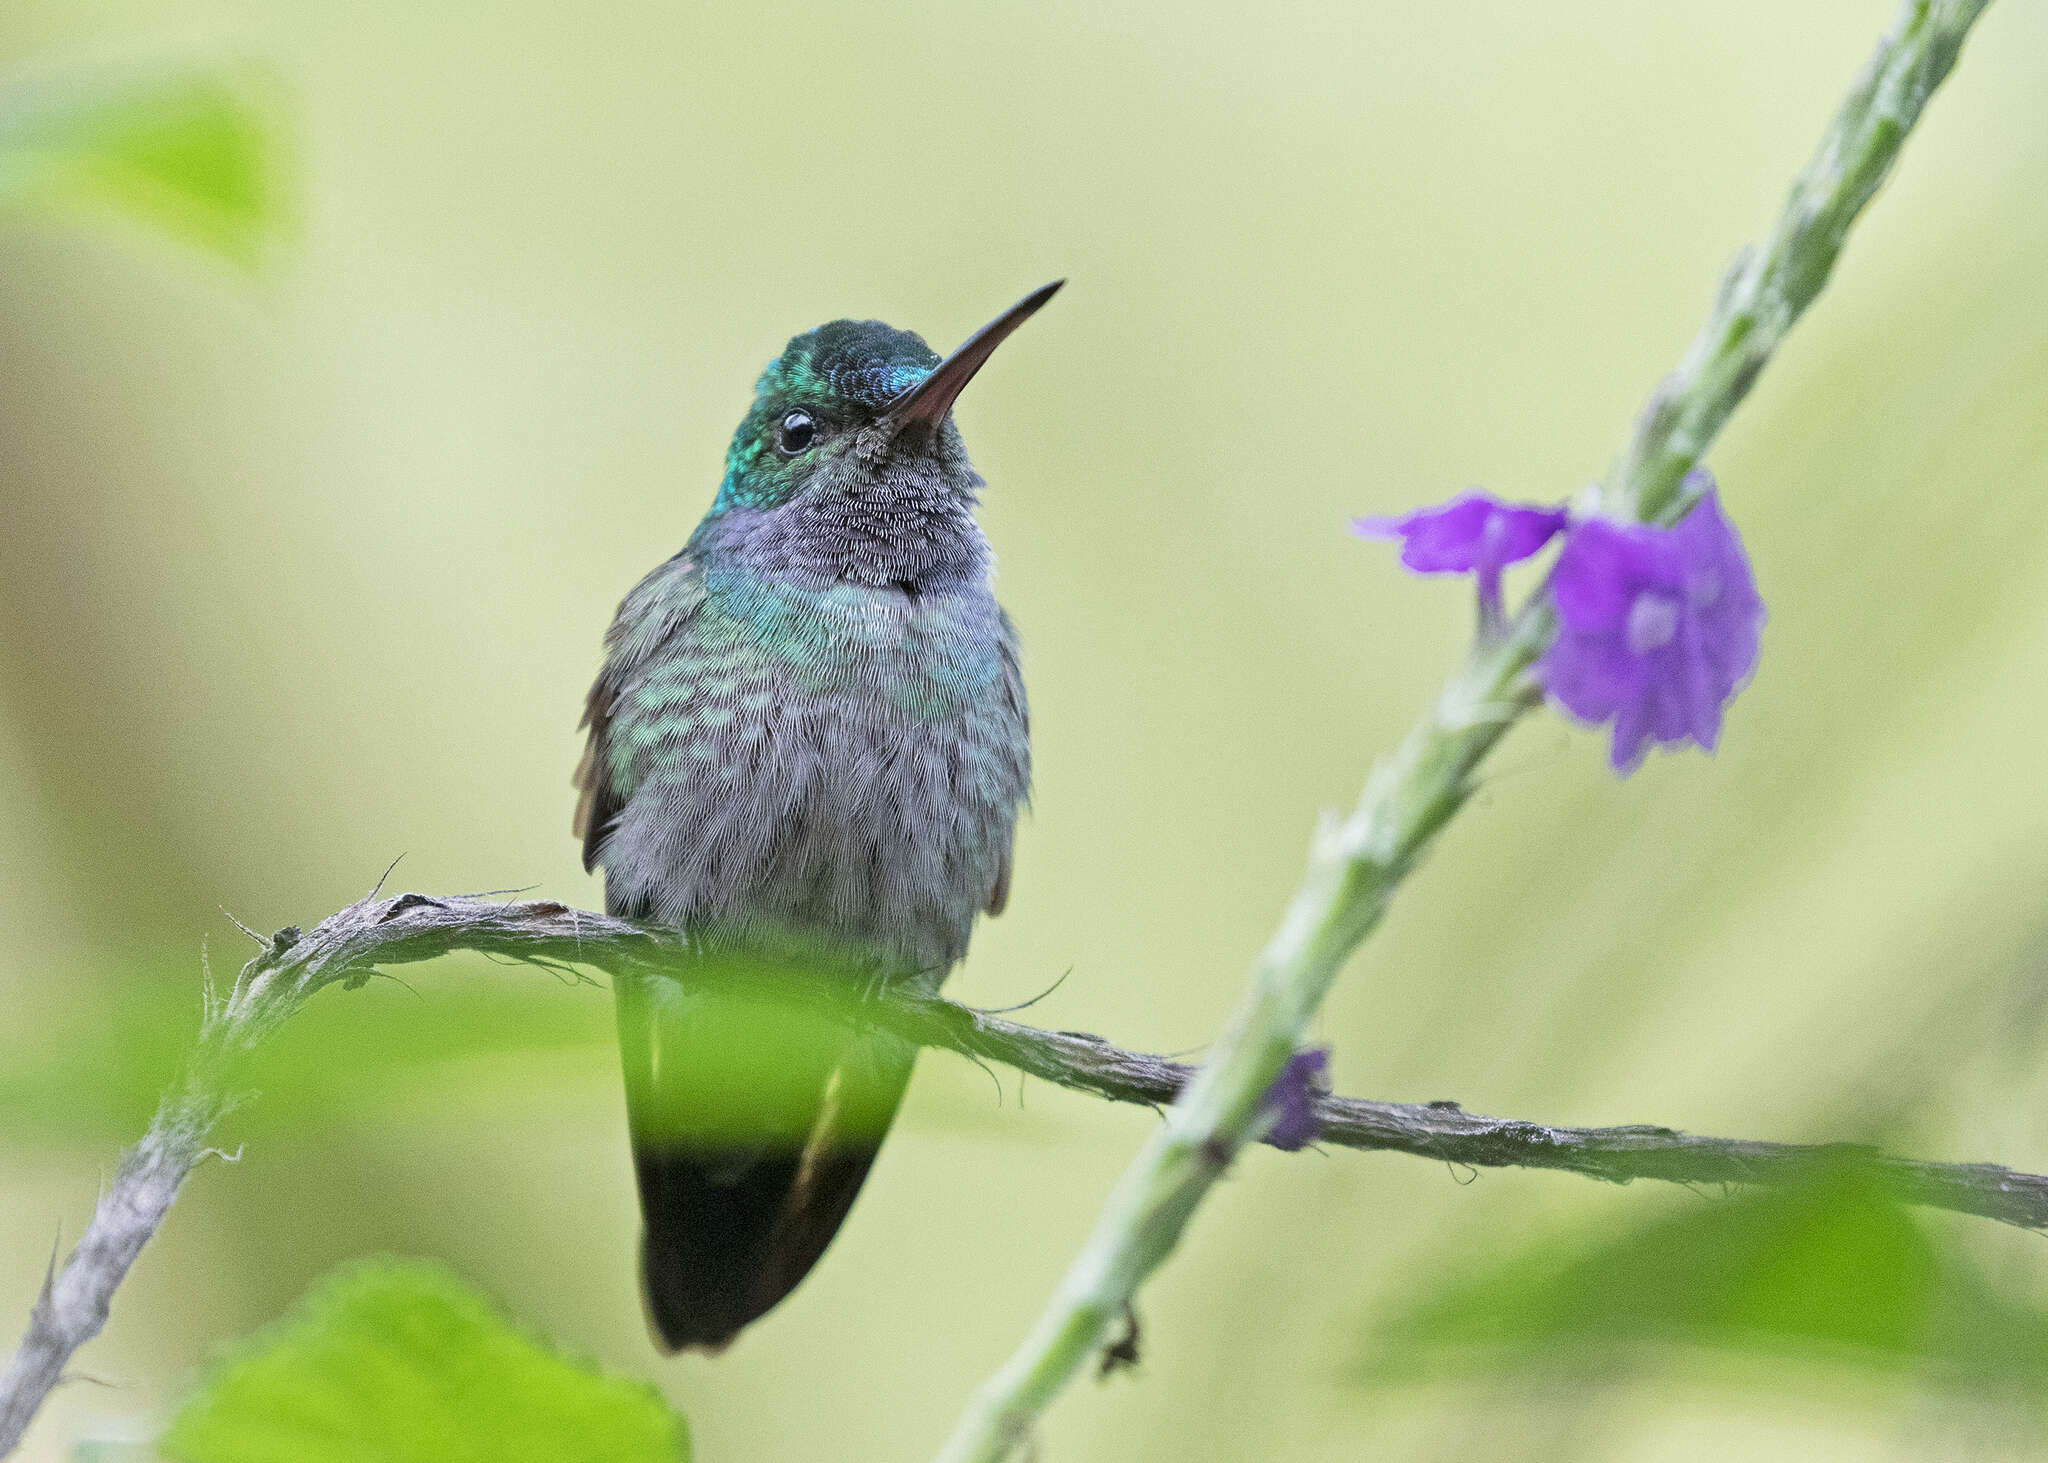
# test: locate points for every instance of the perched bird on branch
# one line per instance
(808, 745)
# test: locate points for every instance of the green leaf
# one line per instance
(89, 1069)
(400, 1362)
(1829, 1269)
(195, 154)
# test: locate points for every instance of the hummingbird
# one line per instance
(808, 746)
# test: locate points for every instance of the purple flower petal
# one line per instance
(1631, 738)
(1658, 628)
(1593, 675)
(1471, 534)
(1292, 1098)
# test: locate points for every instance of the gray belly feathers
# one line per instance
(843, 767)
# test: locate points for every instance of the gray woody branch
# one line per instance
(350, 947)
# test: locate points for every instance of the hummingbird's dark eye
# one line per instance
(797, 431)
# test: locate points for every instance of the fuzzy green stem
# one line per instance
(1356, 863)
(1770, 285)
(1354, 866)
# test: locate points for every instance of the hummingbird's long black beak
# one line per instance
(927, 403)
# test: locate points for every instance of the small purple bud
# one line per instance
(1292, 1098)
(1658, 627)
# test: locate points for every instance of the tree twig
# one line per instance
(75, 1300)
(349, 947)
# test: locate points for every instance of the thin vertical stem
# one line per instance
(1357, 863)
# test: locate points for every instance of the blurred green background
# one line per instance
(305, 567)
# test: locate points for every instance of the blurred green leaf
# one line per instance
(400, 1362)
(91, 1071)
(1825, 1270)
(193, 153)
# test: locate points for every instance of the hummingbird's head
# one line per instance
(848, 463)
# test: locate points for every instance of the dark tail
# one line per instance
(753, 1126)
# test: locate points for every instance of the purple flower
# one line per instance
(1292, 1098)
(1658, 627)
(1472, 534)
